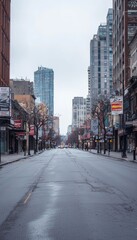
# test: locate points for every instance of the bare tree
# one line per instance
(100, 110)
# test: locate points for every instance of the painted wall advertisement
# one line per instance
(4, 102)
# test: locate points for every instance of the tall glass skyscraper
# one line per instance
(44, 87)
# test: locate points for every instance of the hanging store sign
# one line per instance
(17, 123)
(4, 101)
(116, 105)
(31, 132)
(20, 133)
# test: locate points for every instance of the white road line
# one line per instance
(27, 198)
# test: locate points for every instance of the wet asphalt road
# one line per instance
(67, 194)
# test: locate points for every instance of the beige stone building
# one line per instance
(23, 92)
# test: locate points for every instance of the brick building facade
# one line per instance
(4, 42)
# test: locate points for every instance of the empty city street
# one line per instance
(68, 194)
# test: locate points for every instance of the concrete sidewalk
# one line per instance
(9, 158)
(116, 155)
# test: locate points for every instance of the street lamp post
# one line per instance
(98, 138)
(124, 155)
(29, 143)
(124, 127)
(0, 144)
(35, 137)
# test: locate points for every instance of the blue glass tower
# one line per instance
(44, 87)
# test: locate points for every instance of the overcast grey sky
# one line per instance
(56, 34)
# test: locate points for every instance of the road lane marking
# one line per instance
(27, 198)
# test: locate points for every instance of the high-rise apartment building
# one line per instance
(78, 112)
(93, 69)
(124, 27)
(4, 42)
(44, 87)
(109, 51)
(100, 69)
(88, 96)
